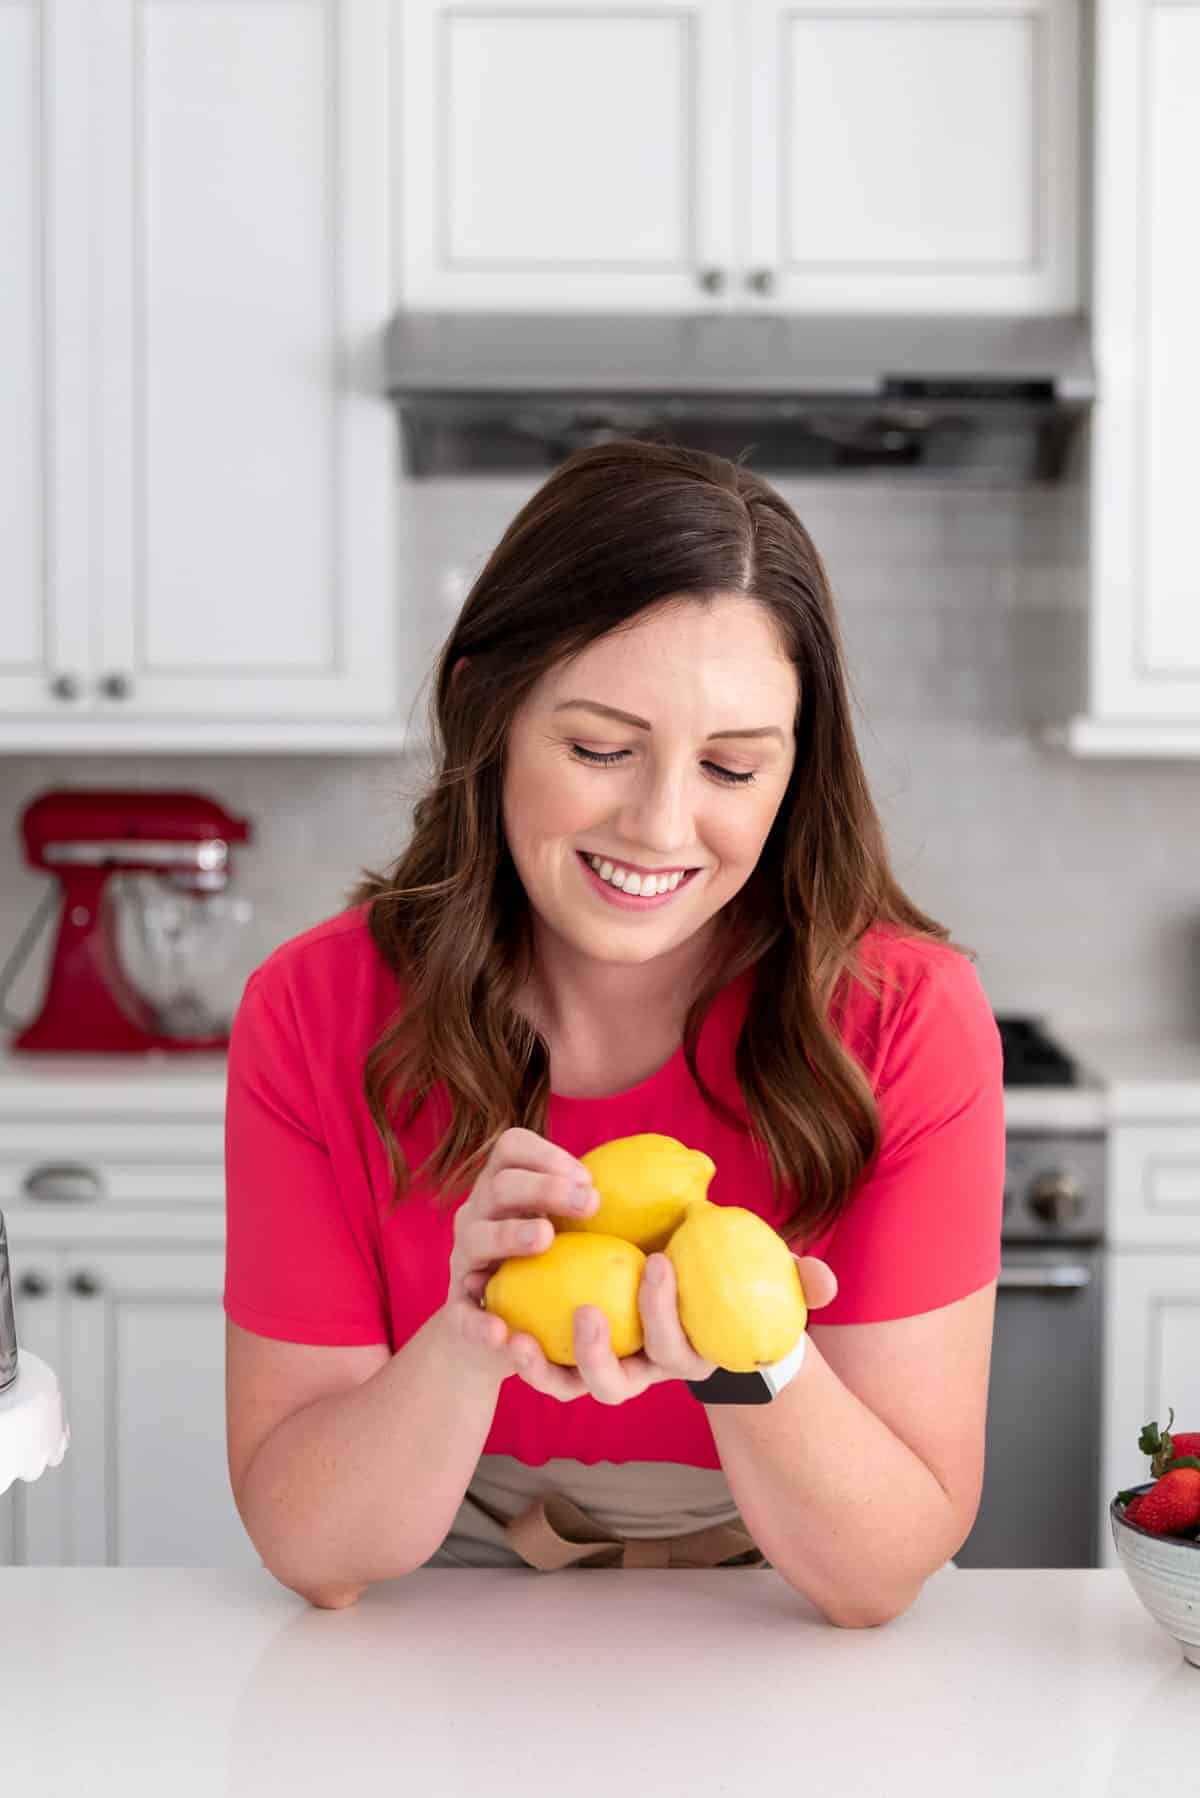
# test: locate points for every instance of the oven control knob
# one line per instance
(1056, 1198)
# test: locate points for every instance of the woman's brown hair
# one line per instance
(615, 529)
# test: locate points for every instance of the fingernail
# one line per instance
(582, 1197)
(530, 1234)
(588, 1329)
(656, 1273)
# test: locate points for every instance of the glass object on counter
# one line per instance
(8, 1327)
(187, 952)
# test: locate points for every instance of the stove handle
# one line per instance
(1069, 1275)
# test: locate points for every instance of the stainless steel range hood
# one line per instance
(977, 398)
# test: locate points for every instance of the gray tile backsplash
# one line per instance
(963, 612)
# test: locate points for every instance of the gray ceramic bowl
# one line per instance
(1164, 1571)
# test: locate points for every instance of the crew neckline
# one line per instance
(666, 1071)
(626, 1092)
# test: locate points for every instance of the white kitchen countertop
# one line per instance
(1145, 1078)
(1125, 1079)
(218, 1683)
(161, 1084)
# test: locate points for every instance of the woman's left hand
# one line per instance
(666, 1355)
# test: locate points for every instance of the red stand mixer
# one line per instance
(148, 935)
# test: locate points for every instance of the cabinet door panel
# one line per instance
(146, 1350)
(565, 154)
(245, 529)
(43, 371)
(905, 156)
(1152, 1363)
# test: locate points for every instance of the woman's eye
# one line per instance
(605, 759)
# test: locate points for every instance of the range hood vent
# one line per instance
(980, 398)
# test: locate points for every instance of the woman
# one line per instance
(646, 684)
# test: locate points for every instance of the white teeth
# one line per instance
(637, 885)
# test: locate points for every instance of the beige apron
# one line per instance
(638, 1514)
(554, 1533)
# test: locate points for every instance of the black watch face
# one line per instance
(725, 1388)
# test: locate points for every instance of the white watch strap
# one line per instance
(778, 1373)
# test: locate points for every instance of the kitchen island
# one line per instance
(220, 1683)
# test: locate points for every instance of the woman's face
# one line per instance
(662, 751)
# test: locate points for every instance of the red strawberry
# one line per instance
(1165, 1449)
(1172, 1505)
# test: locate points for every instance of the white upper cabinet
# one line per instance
(900, 157)
(196, 453)
(44, 572)
(559, 153)
(245, 508)
(730, 153)
(1145, 596)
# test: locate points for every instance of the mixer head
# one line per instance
(185, 836)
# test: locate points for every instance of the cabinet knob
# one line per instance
(65, 686)
(32, 1286)
(712, 280)
(85, 1285)
(761, 280)
(116, 686)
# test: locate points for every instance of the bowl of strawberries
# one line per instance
(1156, 1530)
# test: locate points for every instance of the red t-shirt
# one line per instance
(311, 1256)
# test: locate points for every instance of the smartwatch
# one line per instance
(759, 1387)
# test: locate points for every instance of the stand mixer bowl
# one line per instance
(188, 952)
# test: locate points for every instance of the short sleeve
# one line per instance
(298, 1261)
(923, 1229)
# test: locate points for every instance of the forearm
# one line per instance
(364, 1485)
(840, 1506)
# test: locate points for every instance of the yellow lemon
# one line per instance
(740, 1297)
(539, 1294)
(645, 1183)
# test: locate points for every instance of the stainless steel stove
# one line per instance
(1041, 1494)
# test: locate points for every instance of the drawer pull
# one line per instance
(32, 1286)
(85, 1285)
(64, 1182)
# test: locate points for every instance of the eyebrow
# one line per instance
(610, 711)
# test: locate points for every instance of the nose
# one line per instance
(657, 813)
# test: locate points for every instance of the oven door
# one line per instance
(1041, 1483)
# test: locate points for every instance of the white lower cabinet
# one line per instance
(1152, 1313)
(32, 1525)
(137, 1338)
(1153, 1361)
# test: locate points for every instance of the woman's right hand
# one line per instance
(524, 1182)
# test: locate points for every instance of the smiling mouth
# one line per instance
(635, 883)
